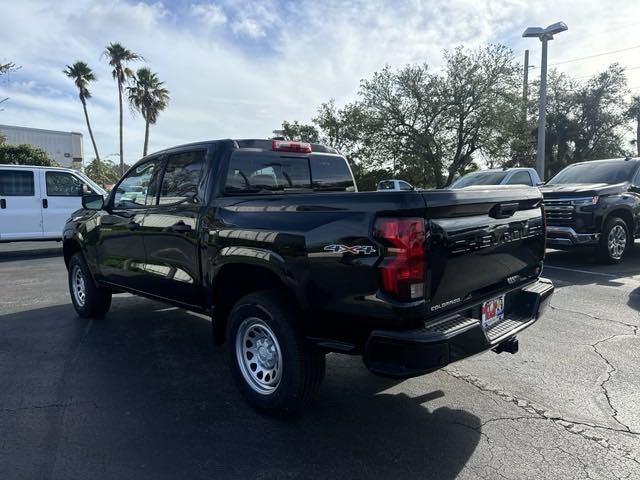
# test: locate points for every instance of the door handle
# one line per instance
(3, 203)
(180, 227)
(133, 226)
(45, 203)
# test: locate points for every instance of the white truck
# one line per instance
(35, 202)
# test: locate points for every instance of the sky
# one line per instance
(237, 69)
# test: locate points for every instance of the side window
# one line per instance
(16, 183)
(404, 186)
(331, 172)
(520, 178)
(181, 177)
(134, 189)
(63, 184)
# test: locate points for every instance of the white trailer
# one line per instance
(63, 147)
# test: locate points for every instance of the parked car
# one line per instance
(273, 241)
(595, 204)
(393, 185)
(499, 176)
(35, 202)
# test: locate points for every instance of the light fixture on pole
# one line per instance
(544, 35)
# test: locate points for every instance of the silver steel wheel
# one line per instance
(78, 286)
(259, 356)
(617, 242)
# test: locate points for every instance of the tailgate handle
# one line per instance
(503, 210)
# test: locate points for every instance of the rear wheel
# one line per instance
(88, 299)
(275, 369)
(614, 241)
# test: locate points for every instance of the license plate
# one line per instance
(492, 311)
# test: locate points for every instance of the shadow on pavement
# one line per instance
(11, 252)
(582, 267)
(143, 394)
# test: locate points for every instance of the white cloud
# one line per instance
(209, 14)
(280, 64)
(248, 27)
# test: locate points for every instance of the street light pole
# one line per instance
(544, 35)
(542, 113)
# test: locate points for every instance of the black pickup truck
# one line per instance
(595, 204)
(273, 241)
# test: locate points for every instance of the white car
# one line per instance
(35, 202)
(499, 176)
(393, 185)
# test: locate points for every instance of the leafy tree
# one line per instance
(118, 57)
(633, 112)
(103, 172)
(8, 67)
(300, 132)
(82, 75)
(25, 155)
(585, 121)
(149, 97)
(4, 69)
(438, 123)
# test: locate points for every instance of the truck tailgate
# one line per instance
(482, 241)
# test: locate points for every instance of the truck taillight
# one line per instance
(402, 268)
(287, 146)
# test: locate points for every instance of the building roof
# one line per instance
(40, 130)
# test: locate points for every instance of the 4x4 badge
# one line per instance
(366, 249)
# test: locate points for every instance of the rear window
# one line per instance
(251, 172)
(16, 183)
(480, 178)
(331, 173)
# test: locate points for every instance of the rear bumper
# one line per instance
(568, 237)
(443, 341)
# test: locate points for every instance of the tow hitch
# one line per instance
(510, 345)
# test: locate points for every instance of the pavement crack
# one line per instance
(573, 427)
(595, 317)
(48, 405)
(611, 369)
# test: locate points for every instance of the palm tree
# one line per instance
(148, 96)
(82, 75)
(634, 113)
(118, 57)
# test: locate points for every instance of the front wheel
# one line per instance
(88, 299)
(276, 370)
(615, 241)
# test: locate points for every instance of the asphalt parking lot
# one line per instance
(142, 394)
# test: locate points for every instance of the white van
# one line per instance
(35, 202)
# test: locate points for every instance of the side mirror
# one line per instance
(93, 201)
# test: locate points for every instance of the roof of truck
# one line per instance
(262, 144)
(30, 167)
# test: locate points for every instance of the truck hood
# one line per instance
(582, 189)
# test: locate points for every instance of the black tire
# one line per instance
(302, 367)
(613, 228)
(95, 301)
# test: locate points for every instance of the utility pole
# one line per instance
(544, 35)
(542, 112)
(525, 88)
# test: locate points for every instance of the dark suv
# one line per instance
(594, 204)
